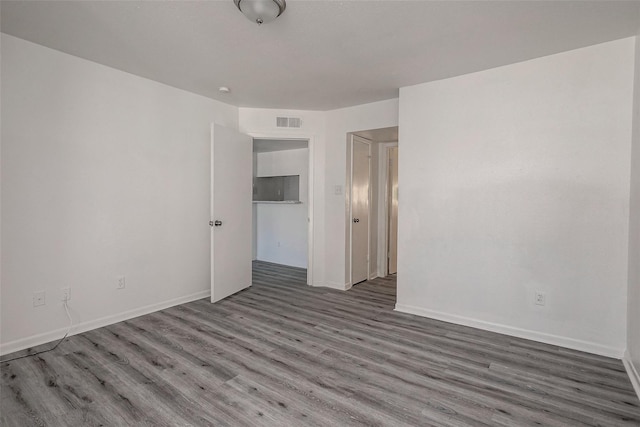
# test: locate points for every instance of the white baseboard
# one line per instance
(586, 346)
(335, 285)
(34, 340)
(632, 371)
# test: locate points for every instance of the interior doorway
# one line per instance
(372, 204)
(282, 201)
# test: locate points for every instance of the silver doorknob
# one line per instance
(356, 219)
(217, 223)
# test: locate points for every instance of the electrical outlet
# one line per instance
(38, 298)
(540, 298)
(121, 282)
(66, 294)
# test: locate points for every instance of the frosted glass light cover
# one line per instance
(260, 11)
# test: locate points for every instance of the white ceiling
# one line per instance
(318, 55)
(267, 145)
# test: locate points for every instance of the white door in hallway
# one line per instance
(360, 200)
(231, 209)
(392, 250)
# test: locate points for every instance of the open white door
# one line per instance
(231, 193)
(360, 200)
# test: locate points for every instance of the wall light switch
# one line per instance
(38, 298)
(337, 190)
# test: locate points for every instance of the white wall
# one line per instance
(281, 234)
(103, 174)
(515, 180)
(340, 122)
(633, 301)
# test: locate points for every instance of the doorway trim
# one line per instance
(349, 210)
(310, 179)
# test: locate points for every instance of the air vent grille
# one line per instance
(295, 122)
(288, 122)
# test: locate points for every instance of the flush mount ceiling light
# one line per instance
(261, 11)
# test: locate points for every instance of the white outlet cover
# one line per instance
(39, 298)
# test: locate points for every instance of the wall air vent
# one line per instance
(295, 122)
(288, 122)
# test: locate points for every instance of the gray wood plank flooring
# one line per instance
(284, 354)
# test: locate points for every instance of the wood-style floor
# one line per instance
(284, 354)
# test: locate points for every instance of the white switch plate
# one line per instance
(38, 298)
(121, 282)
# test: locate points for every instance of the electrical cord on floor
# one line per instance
(66, 309)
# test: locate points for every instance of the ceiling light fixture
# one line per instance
(261, 11)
